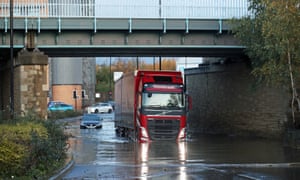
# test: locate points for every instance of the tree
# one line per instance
(104, 73)
(272, 39)
(103, 79)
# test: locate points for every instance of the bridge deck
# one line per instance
(122, 27)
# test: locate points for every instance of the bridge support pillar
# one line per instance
(31, 83)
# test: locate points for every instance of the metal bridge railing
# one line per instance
(198, 9)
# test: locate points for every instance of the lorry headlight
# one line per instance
(144, 132)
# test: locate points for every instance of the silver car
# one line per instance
(100, 108)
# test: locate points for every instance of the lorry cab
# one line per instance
(160, 106)
(151, 105)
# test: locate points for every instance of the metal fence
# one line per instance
(198, 9)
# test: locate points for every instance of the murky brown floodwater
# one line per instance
(100, 154)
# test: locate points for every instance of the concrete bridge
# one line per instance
(97, 37)
(93, 28)
(122, 28)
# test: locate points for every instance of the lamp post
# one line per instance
(11, 10)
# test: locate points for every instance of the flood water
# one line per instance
(100, 154)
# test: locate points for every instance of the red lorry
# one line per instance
(151, 105)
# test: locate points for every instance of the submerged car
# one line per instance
(100, 108)
(60, 107)
(91, 121)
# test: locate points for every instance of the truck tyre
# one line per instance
(99, 127)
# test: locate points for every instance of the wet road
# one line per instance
(100, 154)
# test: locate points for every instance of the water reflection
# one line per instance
(182, 154)
(216, 149)
(143, 151)
(168, 156)
(100, 154)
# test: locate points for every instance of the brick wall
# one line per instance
(64, 93)
(226, 101)
(80, 74)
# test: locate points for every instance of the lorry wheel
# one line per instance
(118, 131)
(123, 133)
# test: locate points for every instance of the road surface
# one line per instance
(100, 154)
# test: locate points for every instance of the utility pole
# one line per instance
(153, 63)
(12, 99)
(110, 81)
(137, 63)
(75, 98)
(160, 63)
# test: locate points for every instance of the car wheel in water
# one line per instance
(109, 111)
(96, 111)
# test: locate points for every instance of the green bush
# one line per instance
(63, 114)
(31, 149)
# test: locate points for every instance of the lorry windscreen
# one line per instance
(157, 102)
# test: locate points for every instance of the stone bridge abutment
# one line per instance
(30, 85)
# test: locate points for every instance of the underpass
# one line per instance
(44, 29)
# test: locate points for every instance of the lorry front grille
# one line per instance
(160, 129)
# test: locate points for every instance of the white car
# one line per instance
(100, 108)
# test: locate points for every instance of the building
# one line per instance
(70, 75)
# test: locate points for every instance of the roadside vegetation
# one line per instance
(271, 36)
(31, 148)
(63, 114)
